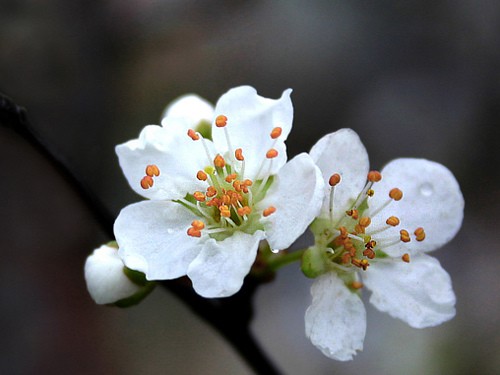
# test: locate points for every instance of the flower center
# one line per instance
(353, 242)
(228, 201)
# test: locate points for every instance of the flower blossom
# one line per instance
(374, 231)
(214, 192)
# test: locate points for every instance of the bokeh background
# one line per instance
(413, 78)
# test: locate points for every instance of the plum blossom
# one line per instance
(374, 231)
(215, 192)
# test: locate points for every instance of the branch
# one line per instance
(230, 316)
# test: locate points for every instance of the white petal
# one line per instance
(431, 199)
(336, 319)
(341, 152)
(152, 239)
(106, 281)
(177, 156)
(297, 194)
(251, 118)
(418, 292)
(187, 112)
(221, 266)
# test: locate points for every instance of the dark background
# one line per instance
(413, 78)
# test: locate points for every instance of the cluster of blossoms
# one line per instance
(218, 184)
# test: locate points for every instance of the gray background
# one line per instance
(413, 78)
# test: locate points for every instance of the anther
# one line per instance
(193, 135)
(211, 191)
(197, 224)
(219, 161)
(230, 178)
(396, 194)
(193, 232)
(353, 214)
(221, 121)
(245, 210)
(224, 211)
(374, 176)
(370, 192)
(238, 154)
(269, 211)
(365, 221)
(152, 170)
(334, 179)
(406, 258)
(202, 176)
(276, 132)
(404, 235)
(419, 234)
(272, 153)
(199, 196)
(392, 221)
(147, 182)
(369, 253)
(356, 285)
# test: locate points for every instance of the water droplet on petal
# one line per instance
(275, 251)
(426, 189)
(170, 231)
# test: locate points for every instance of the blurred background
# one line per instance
(413, 78)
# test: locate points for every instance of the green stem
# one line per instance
(275, 263)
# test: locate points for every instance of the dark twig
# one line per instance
(230, 316)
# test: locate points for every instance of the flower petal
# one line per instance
(431, 199)
(297, 194)
(419, 292)
(341, 152)
(336, 319)
(251, 118)
(187, 112)
(152, 239)
(106, 281)
(219, 269)
(177, 156)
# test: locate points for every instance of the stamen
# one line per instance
(392, 221)
(147, 182)
(221, 121)
(404, 235)
(276, 132)
(334, 179)
(353, 214)
(365, 221)
(269, 211)
(198, 224)
(245, 210)
(202, 176)
(152, 170)
(230, 177)
(396, 194)
(272, 153)
(374, 176)
(238, 154)
(193, 232)
(406, 257)
(419, 234)
(211, 191)
(356, 285)
(219, 161)
(224, 211)
(199, 196)
(193, 135)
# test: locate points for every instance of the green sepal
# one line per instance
(313, 262)
(205, 129)
(139, 279)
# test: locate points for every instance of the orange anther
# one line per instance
(211, 191)
(193, 232)
(419, 234)
(276, 132)
(219, 161)
(272, 153)
(197, 224)
(371, 244)
(406, 257)
(369, 253)
(245, 210)
(359, 229)
(357, 285)
(365, 221)
(230, 177)
(396, 194)
(374, 176)
(353, 214)
(269, 211)
(334, 179)
(202, 176)
(343, 232)
(237, 185)
(152, 170)
(238, 154)
(199, 196)
(147, 182)
(193, 135)
(247, 182)
(370, 192)
(221, 121)
(404, 235)
(224, 210)
(392, 221)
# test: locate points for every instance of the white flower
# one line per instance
(377, 227)
(105, 277)
(213, 201)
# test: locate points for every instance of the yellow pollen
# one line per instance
(199, 196)
(396, 194)
(353, 214)
(276, 132)
(230, 177)
(392, 221)
(152, 170)
(211, 191)
(245, 210)
(192, 134)
(404, 235)
(224, 211)
(374, 176)
(269, 211)
(202, 176)
(147, 182)
(406, 257)
(419, 234)
(238, 154)
(219, 161)
(334, 179)
(357, 285)
(221, 121)
(272, 153)
(365, 221)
